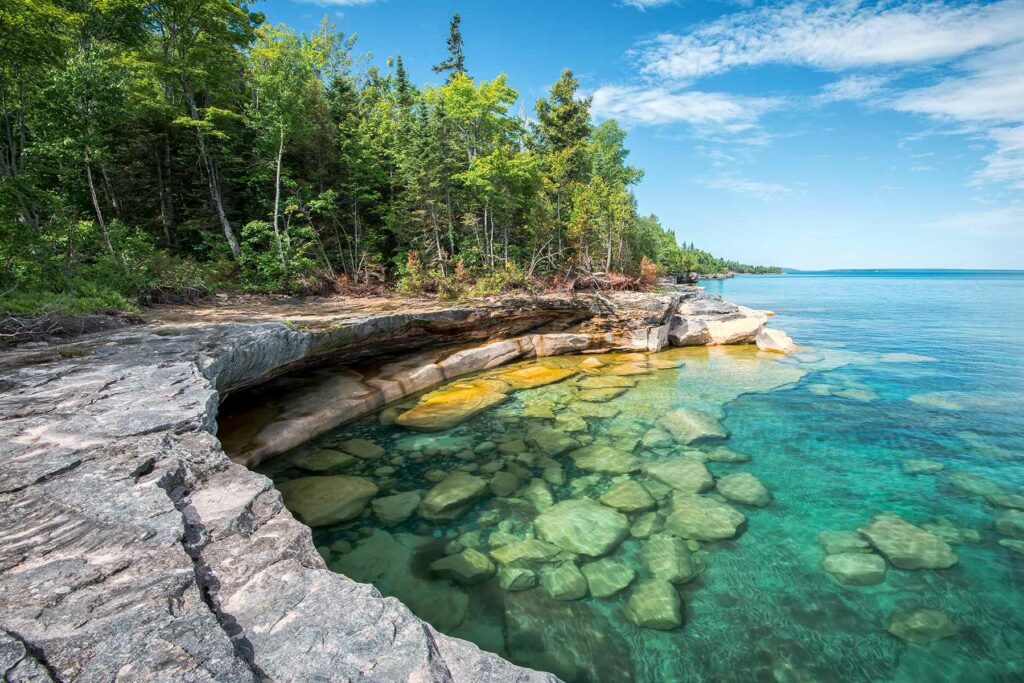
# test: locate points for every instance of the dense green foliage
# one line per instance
(152, 150)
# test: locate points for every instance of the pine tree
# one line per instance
(456, 61)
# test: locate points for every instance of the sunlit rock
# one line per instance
(449, 499)
(950, 532)
(628, 497)
(570, 422)
(684, 331)
(591, 363)
(668, 558)
(534, 375)
(742, 330)
(516, 579)
(838, 542)
(688, 426)
(468, 567)
(320, 501)
(325, 460)
(702, 519)
(774, 341)
(605, 459)
(362, 448)
(551, 441)
(582, 526)
(607, 577)
(743, 488)
(655, 604)
(921, 625)
(526, 552)
(599, 410)
(856, 568)
(607, 382)
(564, 581)
(724, 454)
(538, 495)
(445, 408)
(682, 474)
(392, 510)
(907, 546)
(557, 343)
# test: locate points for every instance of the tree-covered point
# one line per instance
(151, 150)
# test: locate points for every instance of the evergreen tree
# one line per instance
(455, 64)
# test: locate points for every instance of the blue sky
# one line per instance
(808, 135)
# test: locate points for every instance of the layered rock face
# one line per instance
(133, 548)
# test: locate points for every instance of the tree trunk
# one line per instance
(277, 201)
(163, 173)
(96, 204)
(211, 173)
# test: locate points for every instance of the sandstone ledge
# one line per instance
(132, 548)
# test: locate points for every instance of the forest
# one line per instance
(158, 151)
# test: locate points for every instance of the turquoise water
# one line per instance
(896, 367)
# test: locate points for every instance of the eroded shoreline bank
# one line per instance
(134, 548)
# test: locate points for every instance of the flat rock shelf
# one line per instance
(133, 548)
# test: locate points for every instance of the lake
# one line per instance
(905, 400)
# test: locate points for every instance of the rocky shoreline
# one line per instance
(134, 549)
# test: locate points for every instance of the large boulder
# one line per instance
(607, 577)
(392, 510)
(743, 488)
(682, 474)
(921, 625)
(321, 501)
(655, 604)
(628, 496)
(532, 376)
(551, 441)
(688, 426)
(447, 407)
(450, 497)
(838, 542)
(564, 581)
(468, 567)
(907, 546)
(325, 460)
(739, 330)
(516, 579)
(1010, 523)
(684, 331)
(526, 552)
(703, 519)
(668, 558)
(856, 569)
(583, 527)
(605, 459)
(774, 341)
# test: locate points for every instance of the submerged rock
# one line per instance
(1010, 523)
(655, 604)
(505, 484)
(855, 569)
(449, 499)
(538, 495)
(599, 395)
(326, 460)
(703, 519)
(528, 551)
(447, 407)
(921, 625)
(725, 454)
(1012, 544)
(468, 567)
(533, 376)
(907, 546)
(604, 459)
(647, 524)
(607, 382)
(598, 410)
(564, 582)
(321, 501)
(628, 497)
(607, 577)
(591, 363)
(744, 488)
(951, 533)
(688, 426)
(838, 542)
(550, 440)
(392, 510)
(922, 467)
(516, 579)
(582, 526)
(668, 558)
(682, 474)
(362, 448)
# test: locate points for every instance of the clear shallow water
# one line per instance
(900, 366)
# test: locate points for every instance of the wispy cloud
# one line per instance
(857, 87)
(762, 190)
(833, 36)
(1003, 221)
(707, 112)
(646, 4)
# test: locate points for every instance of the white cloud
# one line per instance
(857, 87)
(1004, 221)
(766, 191)
(834, 36)
(709, 112)
(646, 4)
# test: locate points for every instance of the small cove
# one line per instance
(928, 372)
